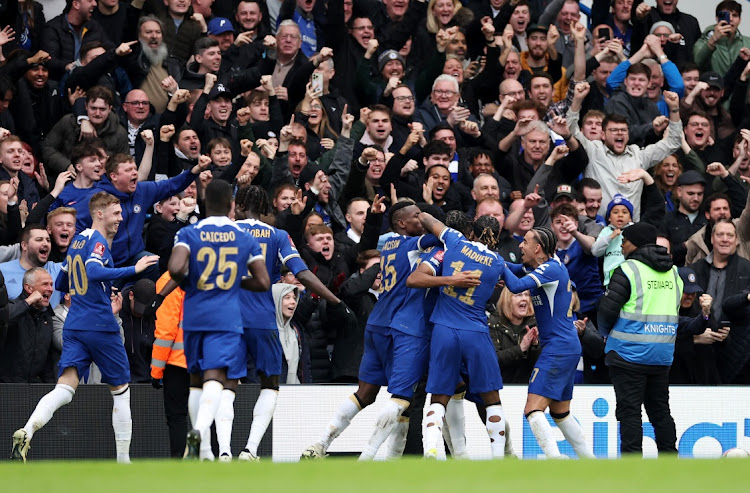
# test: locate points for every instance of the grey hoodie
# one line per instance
(287, 335)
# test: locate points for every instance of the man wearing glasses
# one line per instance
(610, 160)
(444, 105)
(136, 116)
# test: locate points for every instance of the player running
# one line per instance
(91, 332)
(461, 338)
(551, 383)
(261, 333)
(396, 260)
(210, 257)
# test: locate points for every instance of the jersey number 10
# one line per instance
(79, 283)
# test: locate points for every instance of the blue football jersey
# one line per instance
(583, 270)
(278, 248)
(414, 315)
(551, 294)
(220, 252)
(463, 308)
(87, 274)
(397, 258)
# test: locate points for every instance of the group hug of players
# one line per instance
(429, 320)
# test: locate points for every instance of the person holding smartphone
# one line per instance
(717, 49)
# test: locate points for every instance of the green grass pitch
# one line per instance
(666, 475)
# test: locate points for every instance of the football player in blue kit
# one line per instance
(91, 332)
(551, 383)
(460, 337)
(210, 260)
(396, 259)
(410, 335)
(260, 331)
(427, 275)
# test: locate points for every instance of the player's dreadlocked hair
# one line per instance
(252, 201)
(487, 231)
(547, 240)
(458, 221)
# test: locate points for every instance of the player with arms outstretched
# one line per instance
(551, 383)
(396, 259)
(461, 337)
(91, 332)
(212, 258)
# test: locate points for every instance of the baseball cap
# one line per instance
(219, 90)
(688, 279)
(713, 79)
(143, 293)
(536, 28)
(691, 177)
(564, 191)
(387, 56)
(219, 25)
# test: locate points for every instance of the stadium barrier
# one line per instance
(83, 428)
(709, 420)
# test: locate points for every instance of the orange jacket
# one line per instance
(168, 345)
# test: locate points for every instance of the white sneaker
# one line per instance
(21, 445)
(431, 454)
(225, 457)
(247, 456)
(315, 451)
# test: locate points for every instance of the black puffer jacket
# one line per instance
(319, 335)
(736, 352)
(3, 311)
(350, 325)
(28, 355)
(139, 339)
(58, 40)
(618, 292)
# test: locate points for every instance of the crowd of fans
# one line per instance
(516, 109)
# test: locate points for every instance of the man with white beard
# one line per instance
(150, 63)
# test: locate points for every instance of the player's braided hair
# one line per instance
(487, 231)
(253, 200)
(547, 240)
(459, 221)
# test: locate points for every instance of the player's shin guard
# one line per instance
(432, 433)
(496, 430)
(455, 421)
(543, 433)
(341, 420)
(122, 423)
(573, 433)
(59, 396)
(397, 440)
(194, 402)
(387, 420)
(262, 415)
(224, 420)
(209, 404)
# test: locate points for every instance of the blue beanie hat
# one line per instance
(619, 200)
